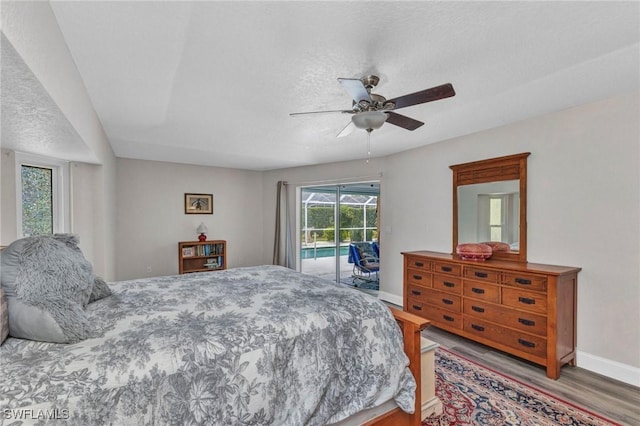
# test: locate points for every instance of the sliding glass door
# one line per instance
(318, 231)
(331, 218)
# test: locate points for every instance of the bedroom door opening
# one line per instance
(333, 218)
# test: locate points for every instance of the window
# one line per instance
(497, 217)
(42, 196)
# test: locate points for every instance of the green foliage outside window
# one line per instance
(37, 201)
(321, 220)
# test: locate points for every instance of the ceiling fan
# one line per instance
(370, 111)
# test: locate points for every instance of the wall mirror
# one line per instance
(490, 204)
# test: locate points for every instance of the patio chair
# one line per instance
(366, 263)
(376, 247)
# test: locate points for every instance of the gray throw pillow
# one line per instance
(4, 317)
(48, 282)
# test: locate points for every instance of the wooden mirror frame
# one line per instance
(495, 170)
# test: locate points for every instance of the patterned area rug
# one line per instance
(472, 394)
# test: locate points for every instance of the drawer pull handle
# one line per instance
(526, 322)
(447, 318)
(417, 308)
(523, 281)
(527, 301)
(448, 284)
(417, 277)
(416, 292)
(419, 264)
(477, 309)
(446, 268)
(477, 327)
(526, 343)
(481, 274)
(477, 290)
(447, 301)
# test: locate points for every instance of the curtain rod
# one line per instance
(336, 181)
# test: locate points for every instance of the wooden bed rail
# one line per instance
(411, 326)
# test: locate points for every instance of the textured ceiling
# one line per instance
(31, 120)
(213, 83)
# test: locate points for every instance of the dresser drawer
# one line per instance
(507, 317)
(447, 268)
(526, 300)
(418, 263)
(445, 283)
(522, 341)
(417, 292)
(435, 315)
(448, 318)
(418, 307)
(419, 277)
(525, 281)
(482, 291)
(444, 300)
(481, 274)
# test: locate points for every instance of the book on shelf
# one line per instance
(213, 263)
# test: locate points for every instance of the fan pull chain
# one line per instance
(368, 144)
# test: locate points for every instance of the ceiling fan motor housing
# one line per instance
(378, 103)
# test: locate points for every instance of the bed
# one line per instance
(246, 346)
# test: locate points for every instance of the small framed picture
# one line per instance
(188, 252)
(198, 203)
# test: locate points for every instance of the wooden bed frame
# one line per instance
(411, 326)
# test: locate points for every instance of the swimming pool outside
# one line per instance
(323, 251)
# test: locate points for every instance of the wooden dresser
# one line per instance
(525, 309)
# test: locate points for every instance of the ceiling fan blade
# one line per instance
(403, 121)
(428, 95)
(347, 130)
(356, 89)
(343, 111)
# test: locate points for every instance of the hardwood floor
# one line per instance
(616, 400)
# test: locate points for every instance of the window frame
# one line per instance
(59, 190)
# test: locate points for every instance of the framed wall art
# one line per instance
(198, 203)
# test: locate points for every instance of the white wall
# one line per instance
(583, 210)
(151, 219)
(8, 212)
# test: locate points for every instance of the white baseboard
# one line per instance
(391, 298)
(431, 407)
(613, 369)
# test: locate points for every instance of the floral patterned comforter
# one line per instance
(247, 346)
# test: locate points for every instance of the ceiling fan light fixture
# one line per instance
(369, 120)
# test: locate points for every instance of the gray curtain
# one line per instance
(283, 242)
